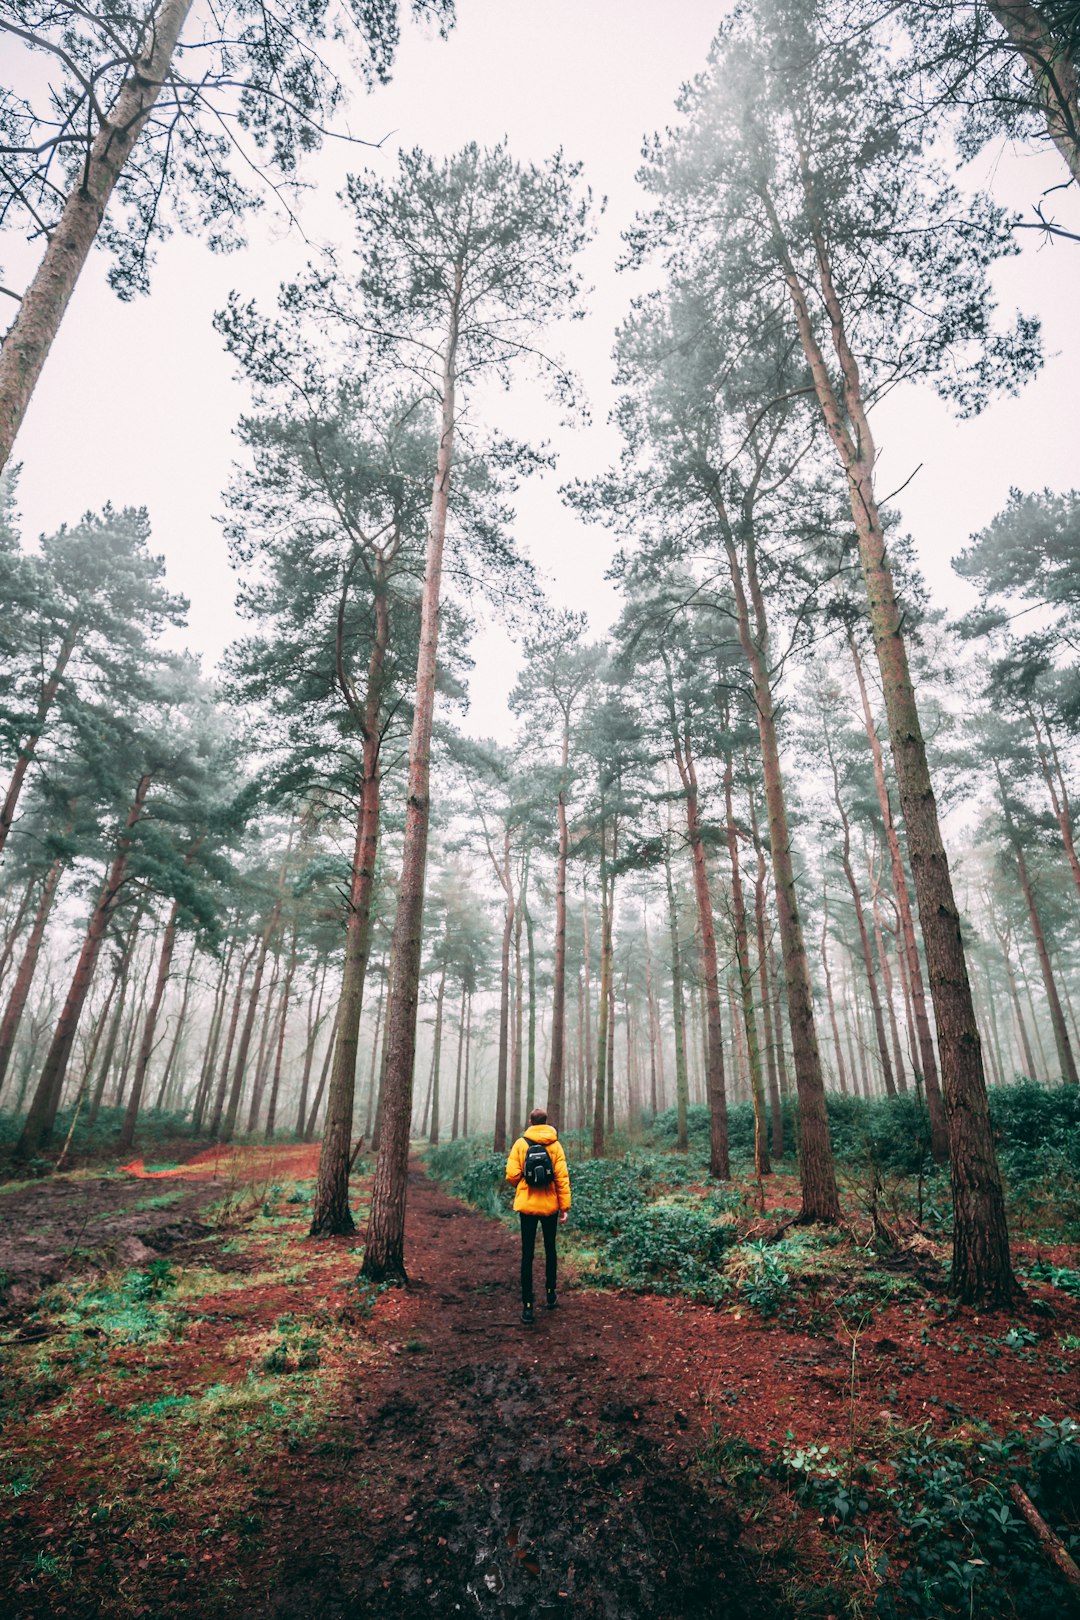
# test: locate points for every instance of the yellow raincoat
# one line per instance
(539, 1200)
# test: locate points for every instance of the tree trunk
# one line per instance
(834, 1026)
(328, 1057)
(651, 1000)
(314, 1024)
(762, 1167)
(42, 308)
(499, 1143)
(24, 978)
(558, 994)
(11, 935)
(1066, 1059)
(457, 1078)
(518, 1052)
(331, 1212)
(530, 1078)
(437, 1058)
(465, 1081)
(1052, 72)
(121, 978)
(928, 1067)
(213, 1036)
(283, 1019)
(599, 1088)
(170, 1061)
(369, 1116)
(384, 1250)
(146, 1046)
(887, 986)
(230, 1037)
(49, 688)
(587, 1100)
(39, 1121)
(228, 1123)
(982, 1266)
(820, 1198)
(775, 1110)
(716, 1091)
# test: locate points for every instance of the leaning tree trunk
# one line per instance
(42, 307)
(39, 1121)
(817, 1173)
(123, 971)
(1066, 1059)
(982, 1265)
(384, 1248)
(46, 699)
(20, 990)
(935, 1107)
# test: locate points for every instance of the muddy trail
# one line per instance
(488, 1468)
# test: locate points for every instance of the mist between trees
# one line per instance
(291, 896)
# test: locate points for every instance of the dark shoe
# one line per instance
(527, 1315)
(552, 1300)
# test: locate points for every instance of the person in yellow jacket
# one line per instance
(537, 1168)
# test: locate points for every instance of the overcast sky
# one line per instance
(138, 402)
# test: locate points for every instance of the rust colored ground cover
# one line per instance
(267, 1437)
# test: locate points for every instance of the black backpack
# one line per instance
(539, 1170)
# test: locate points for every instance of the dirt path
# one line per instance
(488, 1468)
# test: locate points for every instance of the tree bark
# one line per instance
(928, 1067)
(841, 1072)
(716, 1090)
(775, 1110)
(228, 1123)
(982, 1266)
(558, 993)
(599, 1088)
(1066, 1058)
(762, 1167)
(1053, 75)
(437, 1058)
(146, 1045)
(283, 1019)
(230, 1037)
(820, 1197)
(42, 307)
(499, 1144)
(384, 1249)
(39, 1121)
(457, 1078)
(24, 978)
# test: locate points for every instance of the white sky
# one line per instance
(137, 403)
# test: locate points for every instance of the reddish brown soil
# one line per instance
(473, 1466)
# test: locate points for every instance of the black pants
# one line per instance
(528, 1248)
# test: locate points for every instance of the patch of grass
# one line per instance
(161, 1200)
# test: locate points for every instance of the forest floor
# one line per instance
(207, 1413)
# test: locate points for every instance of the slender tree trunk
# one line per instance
(762, 1166)
(651, 1000)
(24, 978)
(213, 1036)
(228, 1123)
(170, 1061)
(283, 1019)
(465, 1081)
(44, 302)
(437, 1059)
(927, 1066)
(775, 1110)
(146, 1045)
(314, 1024)
(230, 1037)
(1030, 1070)
(457, 1078)
(587, 1101)
(518, 1055)
(328, 1058)
(11, 935)
(504, 1004)
(530, 1078)
(716, 1090)
(120, 979)
(331, 1212)
(610, 1065)
(50, 686)
(887, 987)
(834, 1026)
(599, 1089)
(39, 1121)
(558, 1001)
(1066, 1059)
(369, 1116)
(384, 1250)
(982, 1266)
(1054, 777)
(820, 1197)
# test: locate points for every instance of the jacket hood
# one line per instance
(541, 1133)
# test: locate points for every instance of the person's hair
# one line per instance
(538, 1116)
